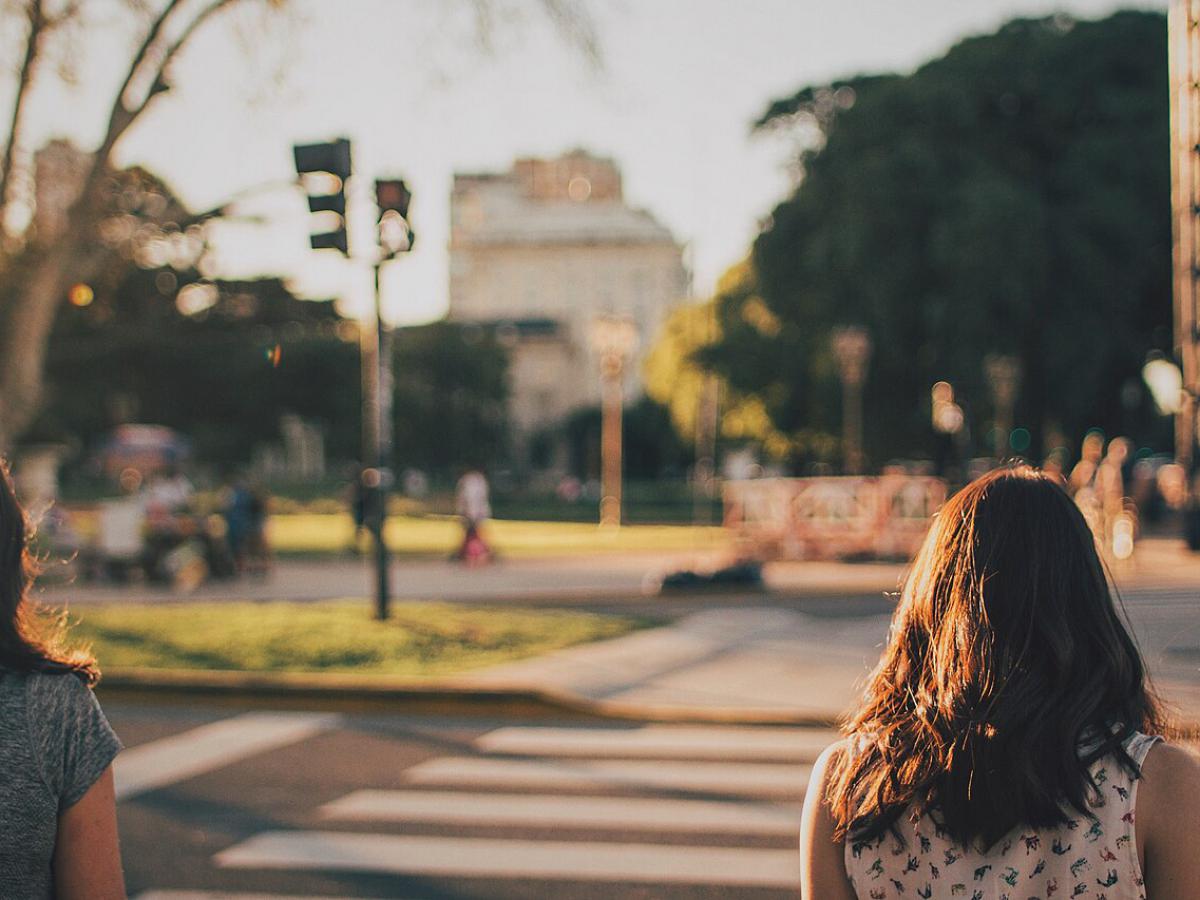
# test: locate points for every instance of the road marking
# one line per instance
(662, 741)
(181, 756)
(476, 857)
(752, 779)
(623, 813)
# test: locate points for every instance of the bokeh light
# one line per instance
(81, 295)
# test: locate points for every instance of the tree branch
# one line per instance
(122, 116)
(37, 26)
(177, 45)
(117, 117)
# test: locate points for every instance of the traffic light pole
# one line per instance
(382, 409)
(334, 159)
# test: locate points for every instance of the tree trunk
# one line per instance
(26, 335)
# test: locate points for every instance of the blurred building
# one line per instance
(538, 253)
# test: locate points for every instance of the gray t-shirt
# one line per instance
(54, 744)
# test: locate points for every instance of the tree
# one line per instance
(451, 398)
(1010, 197)
(695, 342)
(651, 448)
(38, 267)
(218, 361)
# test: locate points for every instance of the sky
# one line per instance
(672, 100)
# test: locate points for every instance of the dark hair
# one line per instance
(1006, 657)
(31, 640)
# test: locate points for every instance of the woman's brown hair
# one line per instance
(30, 640)
(1006, 673)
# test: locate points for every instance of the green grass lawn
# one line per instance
(313, 533)
(420, 639)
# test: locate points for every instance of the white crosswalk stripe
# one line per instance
(621, 813)
(480, 857)
(661, 741)
(166, 761)
(750, 779)
(596, 788)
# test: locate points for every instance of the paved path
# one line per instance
(1159, 563)
(602, 575)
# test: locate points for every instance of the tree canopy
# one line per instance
(1010, 197)
(222, 361)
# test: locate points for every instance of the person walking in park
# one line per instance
(1007, 745)
(58, 821)
(472, 504)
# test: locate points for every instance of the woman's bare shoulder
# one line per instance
(1170, 785)
(1168, 764)
(834, 753)
(827, 764)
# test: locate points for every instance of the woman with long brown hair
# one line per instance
(58, 824)
(1006, 746)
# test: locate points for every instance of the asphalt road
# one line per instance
(220, 804)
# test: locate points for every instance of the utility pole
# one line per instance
(1183, 26)
(395, 236)
(852, 349)
(708, 423)
(614, 339)
(384, 389)
(1004, 378)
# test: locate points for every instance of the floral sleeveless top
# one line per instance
(1083, 860)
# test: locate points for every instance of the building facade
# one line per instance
(539, 253)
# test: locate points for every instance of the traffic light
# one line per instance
(395, 234)
(330, 159)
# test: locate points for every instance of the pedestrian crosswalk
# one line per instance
(655, 805)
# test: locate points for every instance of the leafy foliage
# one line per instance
(451, 397)
(651, 447)
(223, 373)
(1010, 197)
(699, 338)
(215, 375)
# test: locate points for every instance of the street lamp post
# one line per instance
(852, 348)
(613, 339)
(1004, 378)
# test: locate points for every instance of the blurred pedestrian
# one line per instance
(1084, 482)
(356, 500)
(1009, 733)
(1111, 476)
(58, 821)
(474, 508)
(258, 546)
(170, 491)
(235, 508)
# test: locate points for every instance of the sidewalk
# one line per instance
(731, 664)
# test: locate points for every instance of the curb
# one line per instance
(354, 693)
